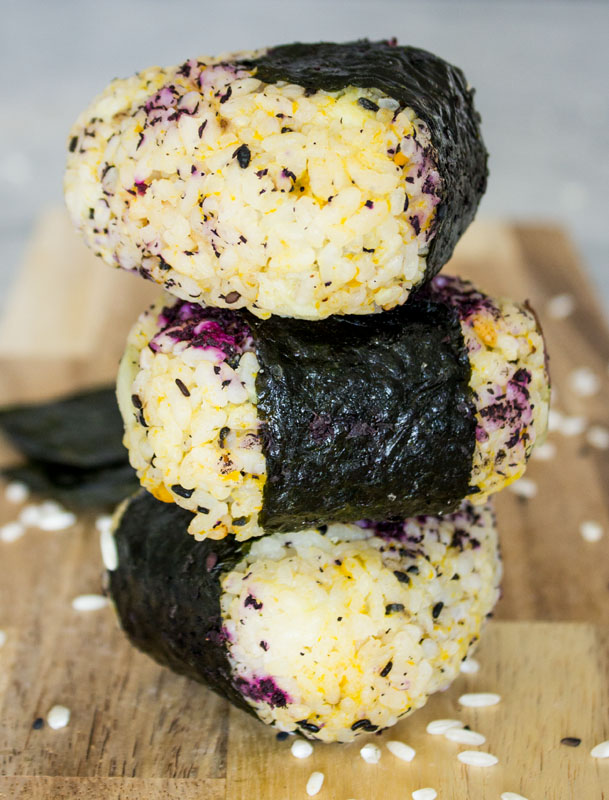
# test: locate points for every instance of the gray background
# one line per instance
(541, 70)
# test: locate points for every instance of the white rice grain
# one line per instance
(301, 749)
(463, 736)
(54, 517)
(474, 758)
(30, 516)
(524, 487)
(480, 699)
(2, 638)
(584, 382)
(512, 796)
(600, 750)
(572, 426)
(598, 437)
(11, 531)
(90, 602)
(438, 727)
(315, 782)
(371, 753)
(469, 667)
(424, 794)
(103, 523)
(560, 306)
(16, 492)
(58, 717)
(544, 452)
(591, 531)
(401, 750)
(555, 419)
(108, 549)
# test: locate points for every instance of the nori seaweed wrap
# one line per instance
(282, 424)
(383, 613)
(73, 446)
(304, 180)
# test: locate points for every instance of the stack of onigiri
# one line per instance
(317, 418)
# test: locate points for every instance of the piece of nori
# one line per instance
(364, 416)
(83, 430)
(437, 91)
(77, 488)
(166, 590)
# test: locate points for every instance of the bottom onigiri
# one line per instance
(331, 632)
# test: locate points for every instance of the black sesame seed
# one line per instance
(225, 97)
(282, 736)
(223, 434)
(435, 612)
(392, 608)
(369, 204)
(73, 143)
(232, 297)
(182, 388)
(308, 726)
(243, 156)
(571, 741)
(401, 576)
(367, 104)
(136, 401)
(38, 723)
(264, 645)
(202, 510)
(361, 723)
(414, 569)
(386, 669)
(239, 521)
(181, 491)
(91, 213)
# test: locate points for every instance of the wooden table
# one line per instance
(138, 732)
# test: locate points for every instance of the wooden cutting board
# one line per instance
(138, 732)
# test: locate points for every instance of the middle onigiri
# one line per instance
(268, 425)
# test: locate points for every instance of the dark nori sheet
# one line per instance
(77, 488)
(364, 416)
(166, 589)
(83, 430)
(436, 90)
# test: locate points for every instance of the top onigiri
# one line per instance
(304, 180)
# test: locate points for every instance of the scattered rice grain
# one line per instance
(555, 419)
(424, 794)
(591, 531)
(479, 699)
(12, 531)
(301, 748)
(464, 736)
(475, 758)
(103, 523)
(600, 750)
(371, 753)
(544, 452)
(315, 782)
(469, 667)
(58, 717)
(108, 549)
(512, 796)
(438, 727)
(2, 638)
(16, 492)
(401, 750)
(560, 306)
(572, 426)
(524, 487)
(584, 382)
(89, 602)
(598, 436)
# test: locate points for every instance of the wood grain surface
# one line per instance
(138, 732)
